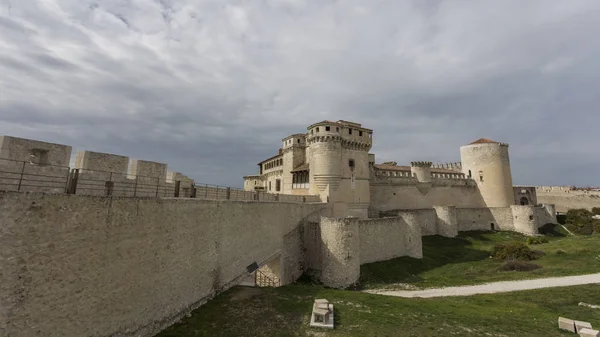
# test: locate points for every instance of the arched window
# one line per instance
(524, 201)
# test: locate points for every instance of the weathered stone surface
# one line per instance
(566, 324)
(581, 325)
(585, 332)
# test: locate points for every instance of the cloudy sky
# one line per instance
(211, 87)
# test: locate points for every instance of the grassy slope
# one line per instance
(285, 312)
(465, 260)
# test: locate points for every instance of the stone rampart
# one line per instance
(387, 238)
(411, 195)
(566, 199)
(340, 252)
(93, 266)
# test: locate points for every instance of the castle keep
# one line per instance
(332, 160)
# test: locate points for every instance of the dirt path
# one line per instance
(496, 287)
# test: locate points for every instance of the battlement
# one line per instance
(455, 166)
(421, 164)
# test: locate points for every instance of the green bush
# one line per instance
(514, 251)
(515, 265)
(596, 210)
(580, 221)
(551, 229)
(536, 240)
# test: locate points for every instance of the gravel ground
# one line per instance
(496, 287)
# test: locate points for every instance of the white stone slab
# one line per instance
(582, 325)
(329, 325)
(566, 324)
(585, 332)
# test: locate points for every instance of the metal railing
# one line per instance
(22, 176)
(263, 280)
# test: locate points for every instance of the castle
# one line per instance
(332, 160)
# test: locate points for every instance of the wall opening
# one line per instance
(327, 128)
(39, 157)
(278, 185)
(492, 226)
(524, 201)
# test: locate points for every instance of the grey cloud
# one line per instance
(212, 88)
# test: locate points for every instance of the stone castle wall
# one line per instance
(409, 194)
(387, 238)
(82, 266)
(565, 199)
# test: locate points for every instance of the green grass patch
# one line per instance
(285, 311)
(465, 260)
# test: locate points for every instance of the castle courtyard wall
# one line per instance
(387, 238)
(406, 193)
(92, 266)
(565, 199)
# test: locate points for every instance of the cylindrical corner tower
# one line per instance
(488, 163)
(325, 144)
(447, 221)
(422, 170)
(340, 254)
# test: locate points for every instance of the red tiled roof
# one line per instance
(483, 141)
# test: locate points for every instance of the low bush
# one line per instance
(596, 210)
(514, 251)
(536, 240)
(515, 265)
(560, 252)
(581, 221)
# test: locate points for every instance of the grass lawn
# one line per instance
(465, 260)
(285, 311)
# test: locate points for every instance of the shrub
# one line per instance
(536, 240)
(515, 265)
(514, 251)
(560, 252)
(596, 210)
(580, 221)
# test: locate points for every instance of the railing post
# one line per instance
(228, 193)
(193, 191)
(21, 178)
(157, 185)
(177, 185)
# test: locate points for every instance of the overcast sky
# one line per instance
(211, 87)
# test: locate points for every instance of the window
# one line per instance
(327, 128)
(360, 133)
(298, 140)
(300, 179)
(470, 174)
(311, 132)
(39, 157)
(337, 129)
(531, 217)
(269, 185)
(278, 185)
(481, 176)
(351, 163)
(317, 129)
(349, 131)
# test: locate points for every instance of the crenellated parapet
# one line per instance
(356, 145)
(421, 164)
(455, 166)
(324, 139)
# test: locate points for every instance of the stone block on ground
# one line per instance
(582, 325)
(566, 324)
(585, 332)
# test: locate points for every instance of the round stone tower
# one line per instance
(340, 254)
(325, 143)
(487, 162)
(422, 170)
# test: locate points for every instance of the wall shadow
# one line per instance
(438, 251)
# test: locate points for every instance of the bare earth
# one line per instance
(496, 287)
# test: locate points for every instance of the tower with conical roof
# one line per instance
(487, 162)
